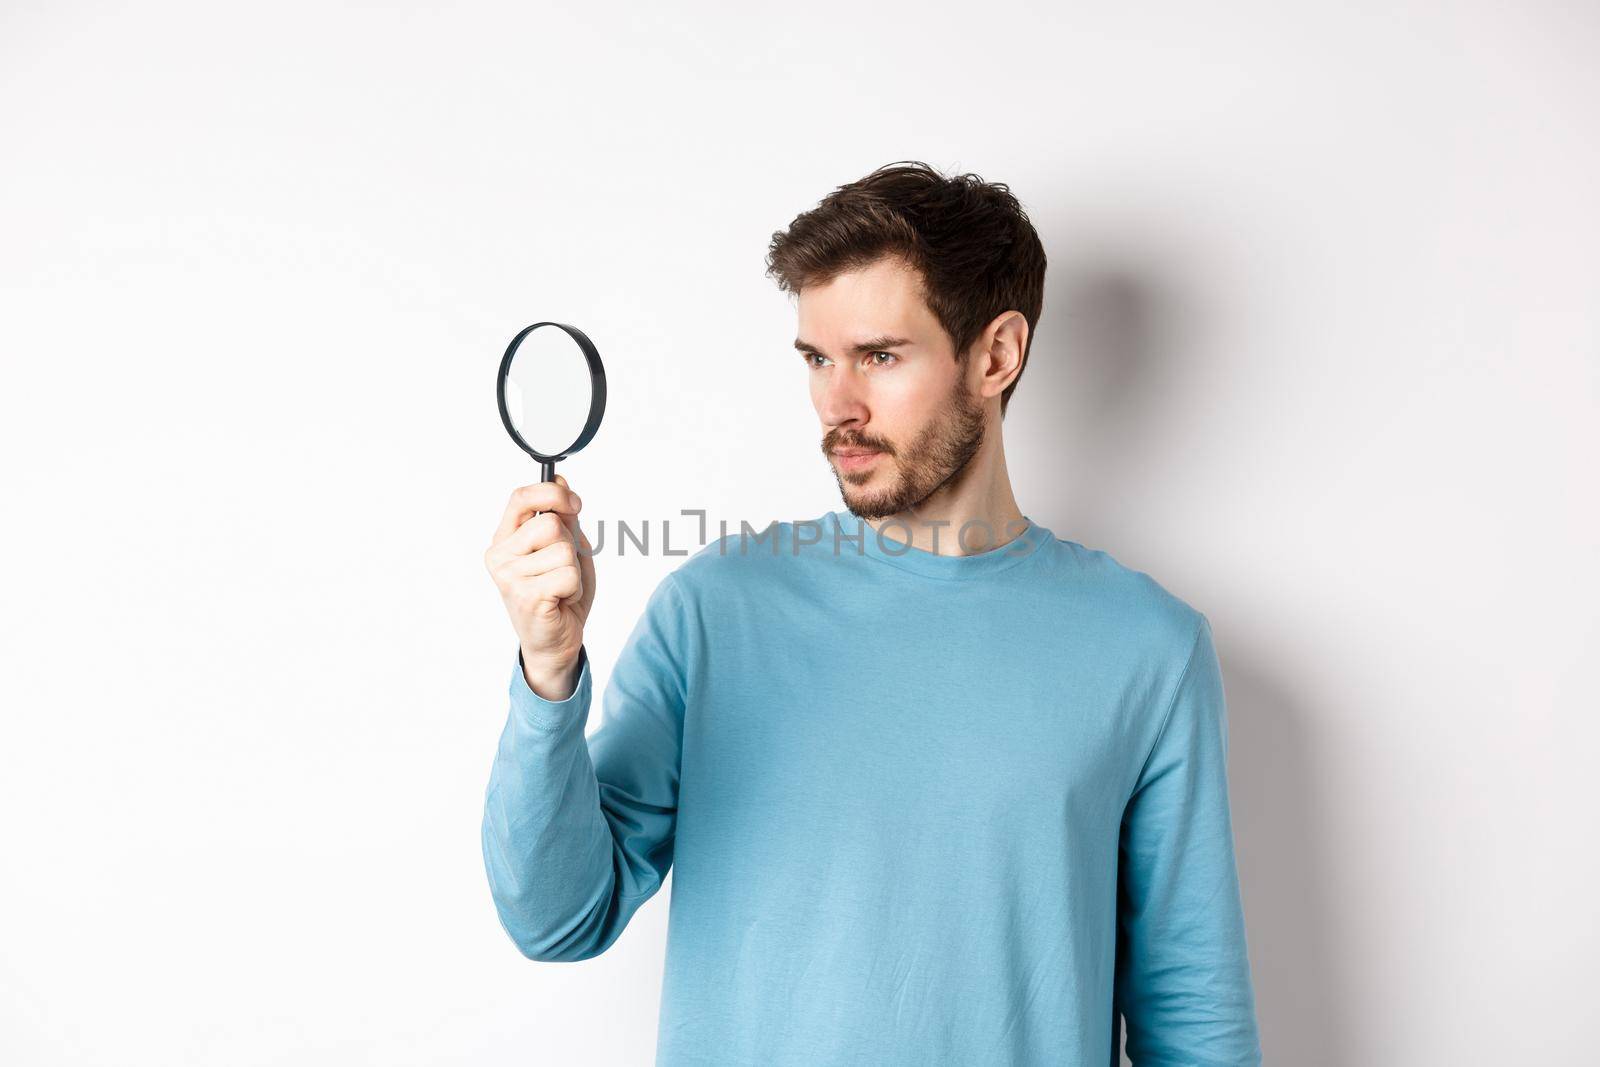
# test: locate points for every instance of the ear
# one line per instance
(998, 353)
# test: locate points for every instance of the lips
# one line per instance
(854, 459)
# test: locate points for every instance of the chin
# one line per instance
(865, 505)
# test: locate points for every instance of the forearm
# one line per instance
(547, 844)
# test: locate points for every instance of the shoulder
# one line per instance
(1132, 604)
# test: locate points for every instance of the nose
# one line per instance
(843, 397)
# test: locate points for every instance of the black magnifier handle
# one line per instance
(547, 473)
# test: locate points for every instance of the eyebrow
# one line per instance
(873, 344)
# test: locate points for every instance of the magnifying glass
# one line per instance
(551, 389)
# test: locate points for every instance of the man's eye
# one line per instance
(810, 356)
(880, 363)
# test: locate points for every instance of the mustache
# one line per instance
(835, 439)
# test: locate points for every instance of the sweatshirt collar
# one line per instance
(889, 546)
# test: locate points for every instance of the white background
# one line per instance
(1320, 351)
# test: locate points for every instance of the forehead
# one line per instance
(884, 297)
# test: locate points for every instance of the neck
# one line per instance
(978, 499)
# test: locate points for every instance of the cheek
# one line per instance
(906, 401)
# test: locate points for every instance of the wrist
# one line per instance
(554, 683)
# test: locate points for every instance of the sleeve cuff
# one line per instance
(550, 714)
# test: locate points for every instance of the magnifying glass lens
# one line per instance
(547, 390)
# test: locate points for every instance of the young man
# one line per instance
(939, 787)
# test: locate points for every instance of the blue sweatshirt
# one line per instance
(922, 809)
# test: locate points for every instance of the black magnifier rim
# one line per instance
(597, 391)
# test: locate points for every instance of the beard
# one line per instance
(939, 454)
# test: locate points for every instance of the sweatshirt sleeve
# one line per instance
(1183, 976)
(578, 832)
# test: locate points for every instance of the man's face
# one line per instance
(899, 418)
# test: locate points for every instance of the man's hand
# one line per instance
(542, 565)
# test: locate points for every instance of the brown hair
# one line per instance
(970, 240)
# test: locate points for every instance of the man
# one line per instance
(938, 786)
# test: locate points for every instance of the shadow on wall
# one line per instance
(1118, 335)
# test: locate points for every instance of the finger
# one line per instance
(547, 589)
(539, 531)
(586, 552)
(534, 497)
(556, 585)
(551, 557)
(536, 531)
